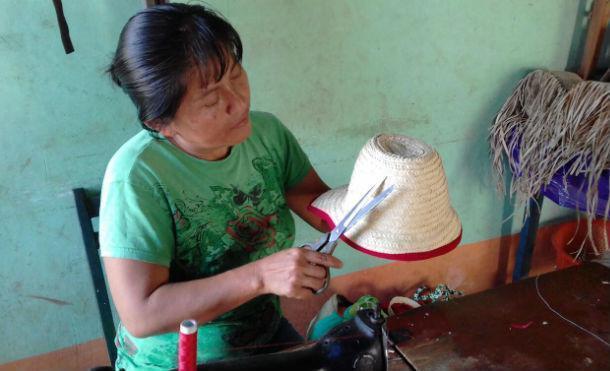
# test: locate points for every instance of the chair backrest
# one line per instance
(88, 208)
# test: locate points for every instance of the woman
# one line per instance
(195, 213)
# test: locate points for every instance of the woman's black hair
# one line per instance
(159, 45)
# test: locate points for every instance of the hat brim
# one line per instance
(331, 200)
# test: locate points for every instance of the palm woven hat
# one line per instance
(416, 221)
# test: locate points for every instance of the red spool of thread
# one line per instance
(187, 346)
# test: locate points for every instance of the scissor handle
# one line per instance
(326, 279)
(309, 246)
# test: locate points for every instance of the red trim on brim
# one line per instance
(404, 257)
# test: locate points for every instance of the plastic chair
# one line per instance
(88, 208)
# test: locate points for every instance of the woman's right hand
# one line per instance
(294, 273)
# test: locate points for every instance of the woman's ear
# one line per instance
(162, 126)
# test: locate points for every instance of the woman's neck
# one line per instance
(208, 154)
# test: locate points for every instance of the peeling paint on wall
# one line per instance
(50, 300)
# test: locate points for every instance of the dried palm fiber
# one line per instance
(553, 121)
(581, 144)
(519, 123)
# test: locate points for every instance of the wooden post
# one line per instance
(598, 20)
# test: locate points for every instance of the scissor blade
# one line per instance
(348, 216)
(362, 212)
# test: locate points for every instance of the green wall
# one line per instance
(336, 72)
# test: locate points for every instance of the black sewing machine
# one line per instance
(360, 344)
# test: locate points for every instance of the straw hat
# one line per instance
(416, 221)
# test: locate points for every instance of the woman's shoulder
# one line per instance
(266, 124)
(261, 118)
(132, 157)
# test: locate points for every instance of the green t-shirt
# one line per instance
(200, 218)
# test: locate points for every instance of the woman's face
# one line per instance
(211, 118)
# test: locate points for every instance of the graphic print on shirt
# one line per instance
(233, 227)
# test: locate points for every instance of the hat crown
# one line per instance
(400, 148)
(405, 162)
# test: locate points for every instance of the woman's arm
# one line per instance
(300, 196)
(148, 304)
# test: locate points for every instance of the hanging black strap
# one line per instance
(63, 27)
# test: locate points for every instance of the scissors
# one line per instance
(329, 240)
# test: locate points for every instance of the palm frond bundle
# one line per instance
(553, 122)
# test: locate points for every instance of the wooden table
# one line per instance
(511, 328)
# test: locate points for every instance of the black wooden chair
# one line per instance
(88, 208)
